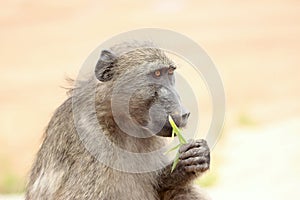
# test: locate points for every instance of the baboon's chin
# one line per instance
(165, 132)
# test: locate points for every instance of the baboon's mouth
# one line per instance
(182, 124)
(167, 129)
(179, 123)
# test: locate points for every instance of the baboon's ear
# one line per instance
(104, 69)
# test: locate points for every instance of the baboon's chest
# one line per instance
(130, 186)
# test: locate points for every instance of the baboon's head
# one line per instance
(144, 91)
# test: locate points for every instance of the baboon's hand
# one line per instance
(194, 156)
(194, 159)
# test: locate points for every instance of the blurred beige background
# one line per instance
(255, 45)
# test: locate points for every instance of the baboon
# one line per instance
(64, 169)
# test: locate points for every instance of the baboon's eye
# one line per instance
(157, 73)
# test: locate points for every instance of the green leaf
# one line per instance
(176, 160)
(177, 131)
(174, 126)
(181, 139)
(173, 133)
(172, 149)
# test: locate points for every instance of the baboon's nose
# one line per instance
(181, 119)
(185, 116)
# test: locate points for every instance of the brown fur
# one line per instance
(65, 170)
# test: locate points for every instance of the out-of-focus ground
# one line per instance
(260, 163)
(255, 45)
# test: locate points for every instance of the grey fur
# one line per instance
(65, 170)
